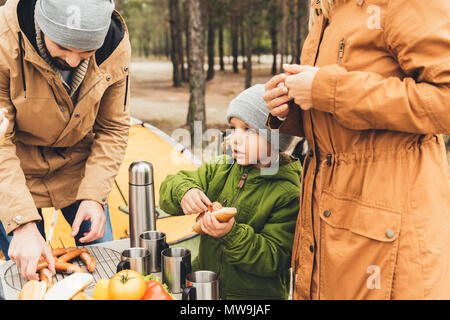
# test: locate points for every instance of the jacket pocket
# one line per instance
(358, 248)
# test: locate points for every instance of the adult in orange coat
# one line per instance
(371, 96)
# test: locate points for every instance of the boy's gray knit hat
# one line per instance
(250, 107)
(78, 24)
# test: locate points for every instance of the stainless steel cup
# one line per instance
(137, 259)
(201, 285)
(155, 242)
(175, 266)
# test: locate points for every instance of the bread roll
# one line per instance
(33, 290)
(68, 287)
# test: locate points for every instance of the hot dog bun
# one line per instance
(68, 287)
(223, 215)
(33, 290)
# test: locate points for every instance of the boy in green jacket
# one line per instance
(252, 252)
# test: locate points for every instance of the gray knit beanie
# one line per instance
(78, 24)
(250, 107)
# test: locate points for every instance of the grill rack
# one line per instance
(107, 260)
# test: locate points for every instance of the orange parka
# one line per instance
(374, 219)
(55, 152)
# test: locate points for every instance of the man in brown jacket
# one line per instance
(372, 99)
(64, 82)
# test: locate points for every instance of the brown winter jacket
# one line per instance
(374, 221)
(55, 152)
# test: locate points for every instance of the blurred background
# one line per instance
(228, 45)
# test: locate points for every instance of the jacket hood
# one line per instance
(116, 32)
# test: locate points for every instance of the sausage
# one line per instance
(67, 267)
(70, 255)
(46, 275)
(88, 260)
(42, 263)
(60, 251)
(214, 206)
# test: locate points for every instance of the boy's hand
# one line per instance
(213, 227)
(194, 201)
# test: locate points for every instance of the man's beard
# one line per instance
(62, 65)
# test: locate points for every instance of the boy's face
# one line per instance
(249, 148)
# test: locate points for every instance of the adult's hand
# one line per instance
(26, 248)
(194, 201)
(90, 210)
(299, 84)
(276, 96)
(3, 122)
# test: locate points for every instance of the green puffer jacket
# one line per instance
(253, 259)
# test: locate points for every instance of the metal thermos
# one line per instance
(141, 200)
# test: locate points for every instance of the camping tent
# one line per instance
(145, 143)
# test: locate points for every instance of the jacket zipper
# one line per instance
(341, 50)
(240, 186)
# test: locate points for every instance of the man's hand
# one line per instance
(26, 248)
(276, 96)
(299, 83)
(90, 210)
(213, 227)
(194, 201)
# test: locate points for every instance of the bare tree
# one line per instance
(234, 16)
(211, 42)
(174, 17)
(196, 57)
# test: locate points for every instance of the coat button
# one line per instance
(311, 248)
(390, 234)
(125, 69)
(108, 77)
(327, 213)
(103, 199)
(311, 153)
(18, 218)
(62, 109)
(77, 115)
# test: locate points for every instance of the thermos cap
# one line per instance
(140, 173)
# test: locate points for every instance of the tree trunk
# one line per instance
(211, 41)
(234, 46)
(249, 25)
(274, 42)
(283, 48)
(249, 51)
(196, 57)
(178, 22)
(243, 54)
(174, 52)
(187, 36)
(295, 35)
(222, 64)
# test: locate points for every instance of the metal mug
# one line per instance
(155, 242)
(137, 259)
(175, 266)
(201, 285)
